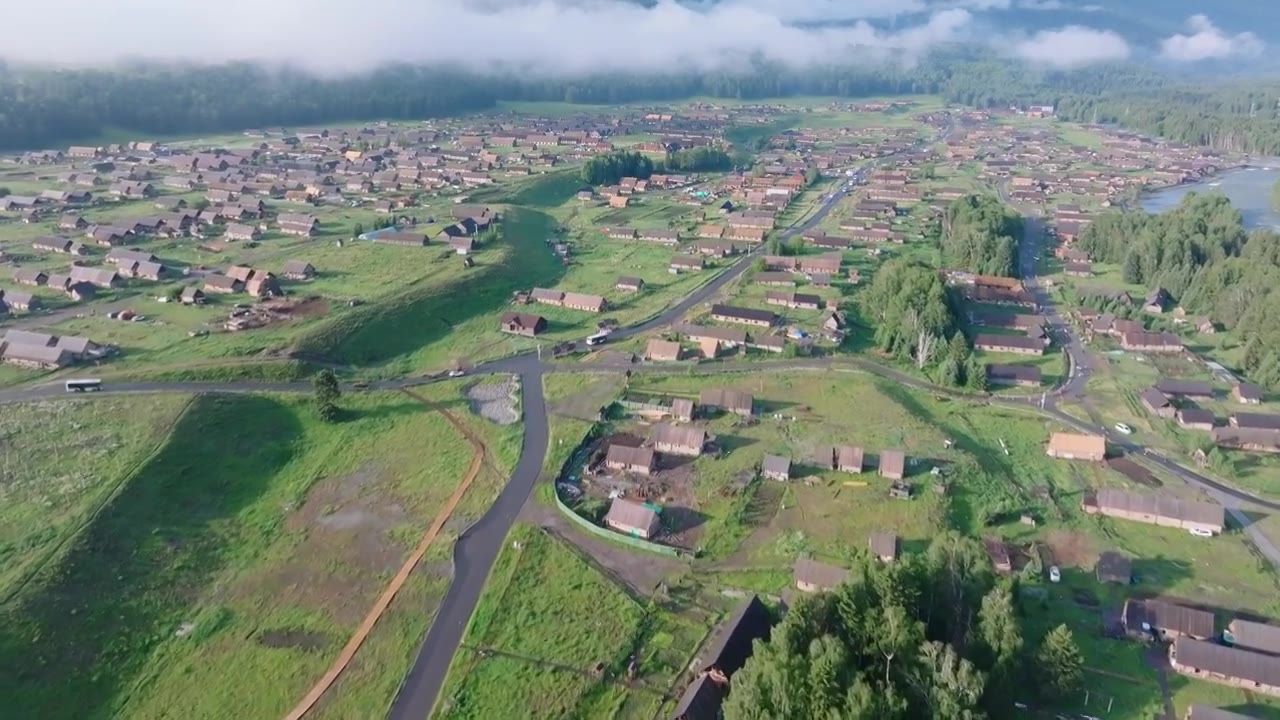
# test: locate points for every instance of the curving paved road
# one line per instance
(474, 554)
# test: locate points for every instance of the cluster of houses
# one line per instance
(1245, 654)
(48, 352)
(1253, 431)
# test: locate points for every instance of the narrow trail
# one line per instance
(362, 632)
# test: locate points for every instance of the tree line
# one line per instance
(51, 108)
(1201, 253)
(609, 168)
(706, 158)
(44, 108)
(980, 234)
(932, 636)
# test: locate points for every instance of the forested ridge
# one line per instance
(1202, 255)
(43, 108)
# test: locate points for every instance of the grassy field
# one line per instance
(559, 617)
(61, 461)
(229, 591)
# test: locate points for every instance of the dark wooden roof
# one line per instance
(729, 651)
(701, 700)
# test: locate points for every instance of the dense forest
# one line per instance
(50, 108)
(917, 319)
(699, 159)
(1202, 255)
(980, 234)
(609, 168)
(932, 636)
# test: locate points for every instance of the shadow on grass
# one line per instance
(425, 314)
(1154, 576)
(77, 638)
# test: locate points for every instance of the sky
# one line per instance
(577, 36)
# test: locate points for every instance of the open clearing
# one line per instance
(553, 637)
(60, 461)
(228, 593)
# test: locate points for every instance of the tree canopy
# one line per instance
(980, 234)
(611, 167)
(932, 636)
(706, 158)
(1202, 255)
(914, 314)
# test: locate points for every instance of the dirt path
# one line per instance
(384, 601)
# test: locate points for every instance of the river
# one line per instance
(1249, 190)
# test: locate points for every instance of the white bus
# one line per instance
(86, 385)
(598, 339)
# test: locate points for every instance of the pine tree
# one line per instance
(1059, 665)
(327, 393)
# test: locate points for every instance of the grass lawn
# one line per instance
(547, 606)
(802, 411)
(227, 573)
(61, 461)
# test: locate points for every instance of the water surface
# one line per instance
(1249, 190)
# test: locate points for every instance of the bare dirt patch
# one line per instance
(670, 486)
(293, 639)
(311, 307)
(348, 547)
(496, 402)
(1071, 549)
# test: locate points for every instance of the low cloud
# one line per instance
(837, 11)
(1207, 42)
(532, 36)
(1072, 46)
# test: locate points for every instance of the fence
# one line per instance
(610, 535)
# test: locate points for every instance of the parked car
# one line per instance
(1124, 429)
(1200, 532)
(1055, 575)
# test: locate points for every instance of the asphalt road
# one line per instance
(473, 557)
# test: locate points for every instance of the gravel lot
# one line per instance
(496, 402)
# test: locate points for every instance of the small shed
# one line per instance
(776, 467)
(893, 464)
(633, 518)
(884, 545)
(999, 554)
(814, 576)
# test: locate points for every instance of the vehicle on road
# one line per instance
(1124, 429)
(85, 385)
(457, 372)
(1055, 575)
(1200, 532)
(599, 338)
